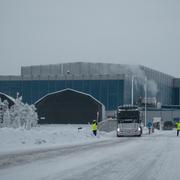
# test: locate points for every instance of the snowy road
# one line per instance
(151, 157)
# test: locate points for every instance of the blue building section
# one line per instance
(175, 97)
(108, 92)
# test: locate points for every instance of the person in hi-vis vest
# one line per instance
(94, 127)
(178, 128)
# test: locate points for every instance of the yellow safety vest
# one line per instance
(94, 126)
(178, 126)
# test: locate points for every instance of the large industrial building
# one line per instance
(108, 84)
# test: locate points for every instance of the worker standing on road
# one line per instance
(178, 128)
(94, 127)
(149, 125)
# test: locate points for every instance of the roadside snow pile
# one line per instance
(47, 136)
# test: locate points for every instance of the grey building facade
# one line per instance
(176, 91)
(111, 84)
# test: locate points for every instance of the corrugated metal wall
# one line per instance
(77, 68)
(109, 92)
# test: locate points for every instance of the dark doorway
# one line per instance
(68, 106)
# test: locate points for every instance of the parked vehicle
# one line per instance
(168, 125)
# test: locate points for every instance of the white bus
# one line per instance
(128, 121)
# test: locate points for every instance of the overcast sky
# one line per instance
(145, 32)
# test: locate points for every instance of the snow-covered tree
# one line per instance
(3, 108)
(6, 118)
(19, 115)
(29, 116)
(1, 111)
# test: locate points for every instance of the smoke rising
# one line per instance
(152, 88)
(139, 79)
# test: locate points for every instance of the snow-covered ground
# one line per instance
(62, 152)
(14, 140)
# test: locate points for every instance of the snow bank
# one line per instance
(44, 136)
(49, 136)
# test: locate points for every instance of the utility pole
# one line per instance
(145, 102)
(132, 91)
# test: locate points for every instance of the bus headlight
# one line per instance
(118, 129)
(139, 129)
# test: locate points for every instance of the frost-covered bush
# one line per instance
(3, 108)
(20, 115)
(6, 119)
